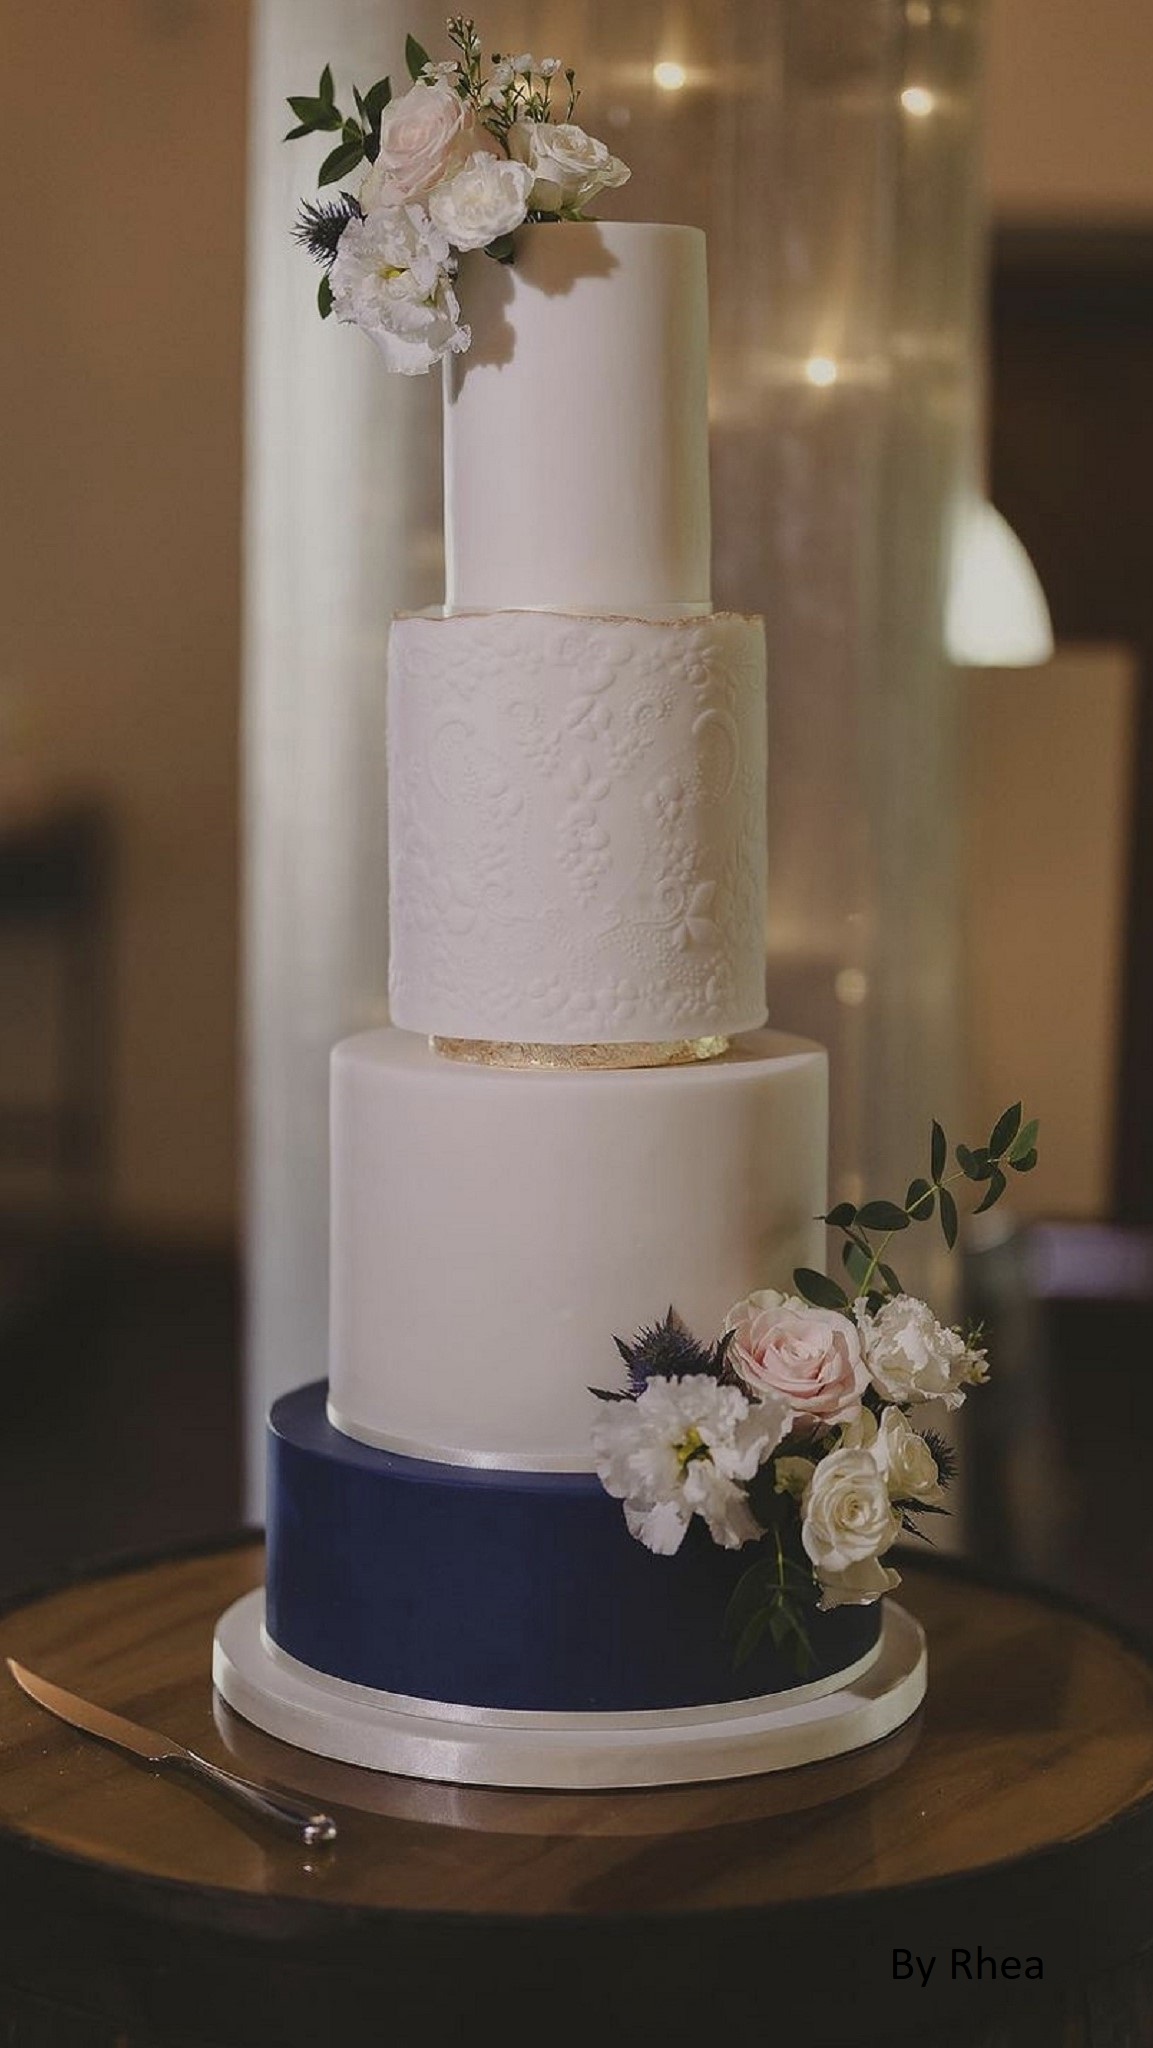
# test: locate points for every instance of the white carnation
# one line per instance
(569, 167)
(390, 278)
(487, 197)
(910, 1356)
(905, 1462)
(847, 1517)
(686, 1447)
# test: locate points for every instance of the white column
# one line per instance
(342, 527)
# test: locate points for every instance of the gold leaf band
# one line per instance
(486, 1052)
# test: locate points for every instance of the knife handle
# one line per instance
(297, 1816)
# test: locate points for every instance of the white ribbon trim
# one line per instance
(439, 1454)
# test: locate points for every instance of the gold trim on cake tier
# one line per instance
(488, 1052)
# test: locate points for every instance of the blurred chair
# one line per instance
(55, 862)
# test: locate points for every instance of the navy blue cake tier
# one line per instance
(514, 1590)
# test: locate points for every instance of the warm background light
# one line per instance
(917, 99)
(821, 370)
(669, 76)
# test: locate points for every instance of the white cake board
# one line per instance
(380, 1732)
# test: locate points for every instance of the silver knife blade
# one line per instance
(98, 1721)
(283, 1809)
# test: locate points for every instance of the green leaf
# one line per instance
(818, 1289)
(313, 115)
(890, 1279)
(920, 1200)
(501, 250)
(948, 1218)
(415, 57)
(377, 98)
(1024, 1141)
(324, 297)
(856, 1261)
(1005, 1130)
(882, 1216)
(974, 1165)
(325, 88)
(938, 1151)
(344, 158)
(751, 1636)
(842, 1217)
(993, 1192)
(755, 1589)
(1027, 1161)
(305, 128)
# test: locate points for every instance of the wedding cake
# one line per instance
(577, 1122)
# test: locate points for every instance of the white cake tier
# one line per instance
(575, 446)
(577, 827)
(492, 1232)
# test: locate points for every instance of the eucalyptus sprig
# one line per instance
(1011, 1147)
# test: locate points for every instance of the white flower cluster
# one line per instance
(841, 1384)
(455, 171)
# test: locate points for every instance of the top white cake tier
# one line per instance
(576, 463)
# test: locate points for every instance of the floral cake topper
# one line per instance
(458, 162)
(795, 1430)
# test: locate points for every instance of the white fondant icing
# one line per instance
(332, 1718)
(577, 827)
(493, 1231)
(576, 438)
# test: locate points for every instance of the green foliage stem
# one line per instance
(1011, 1147)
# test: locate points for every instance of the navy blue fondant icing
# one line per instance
(501, 1589)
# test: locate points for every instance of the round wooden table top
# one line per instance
(1027, 1776)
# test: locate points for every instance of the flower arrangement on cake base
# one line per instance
(795, 1432)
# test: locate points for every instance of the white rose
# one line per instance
(910, 1356)
(569, 167)
(486, 197)
(390, 279)
(905, 1462)
(859, 1433)
(423, 137)
(859, 1586)
(847, 1517)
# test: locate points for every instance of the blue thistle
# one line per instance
(321, 223)
(668, 1350)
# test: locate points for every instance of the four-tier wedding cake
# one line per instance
(576, 1118)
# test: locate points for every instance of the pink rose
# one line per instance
(811, 1357)
(423, 137)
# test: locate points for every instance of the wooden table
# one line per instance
(1015, 1816)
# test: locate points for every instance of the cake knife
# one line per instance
(296, 1815)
